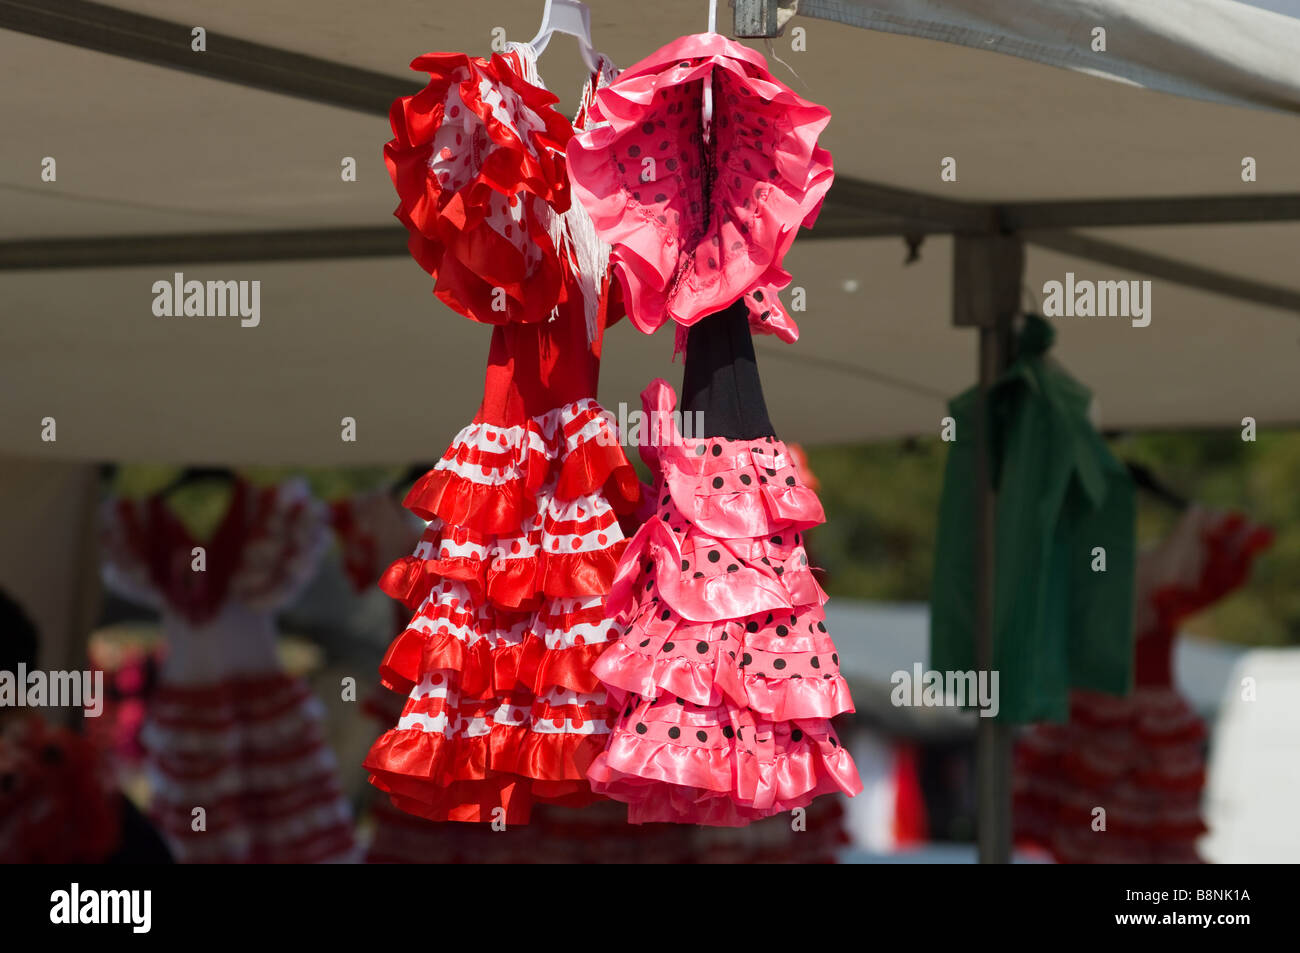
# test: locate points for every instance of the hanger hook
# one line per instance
(571, 17)
(708, 83)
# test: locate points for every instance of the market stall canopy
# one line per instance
(226, 165)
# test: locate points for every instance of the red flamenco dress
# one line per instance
(58, 800)
(508, 582)
(228, 730)
(726, 676)
(1140, 757)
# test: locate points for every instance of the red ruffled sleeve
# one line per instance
(477, 158)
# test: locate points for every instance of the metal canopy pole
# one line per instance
(987, 275)
(755, 18)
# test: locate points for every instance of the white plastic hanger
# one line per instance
(573, 18)
(708, 86)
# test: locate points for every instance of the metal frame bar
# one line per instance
(1168, 269)
(146, 39)
(987, 272)
(127, 251)
(1170, 210)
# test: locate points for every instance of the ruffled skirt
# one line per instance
(251, 752)
(1140, 758)
(597, 833)
(508, 587)
(724, 673)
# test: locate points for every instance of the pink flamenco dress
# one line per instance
(725, 675)
(1140, 757)
(509, 579)
(228, 730)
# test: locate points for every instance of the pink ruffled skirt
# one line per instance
(725, 675)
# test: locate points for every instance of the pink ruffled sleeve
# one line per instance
(695, 226)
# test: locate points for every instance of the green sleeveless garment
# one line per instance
(1058, 623)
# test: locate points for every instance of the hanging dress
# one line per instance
(725, 675)
(228, 730)
(1140, 757)
(58, 800)
(508, 582)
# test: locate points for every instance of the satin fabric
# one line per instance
(488, 670)
(725, 673)
(526, 507)
(696, 225)
(524, 169)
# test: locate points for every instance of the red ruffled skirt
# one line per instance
(508, 587)
(597, 833)
(1140, 758)
(251, 752)
(725, 674)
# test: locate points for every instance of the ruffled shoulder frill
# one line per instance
(477, 158)
(1215, 560)
(288, 536)
(696, 225)
(266, 548)
(125, 561)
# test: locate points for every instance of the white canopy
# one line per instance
(162, 167)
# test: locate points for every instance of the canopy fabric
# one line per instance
(1219, 50)
(146, 150)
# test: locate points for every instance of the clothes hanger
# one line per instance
(708, 88)
(1144, 479)
(573, 18)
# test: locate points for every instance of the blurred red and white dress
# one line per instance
(373, 529)
(1140, 757)
(508, 582)
(228, 730)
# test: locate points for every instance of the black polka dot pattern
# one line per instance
(785, 661)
